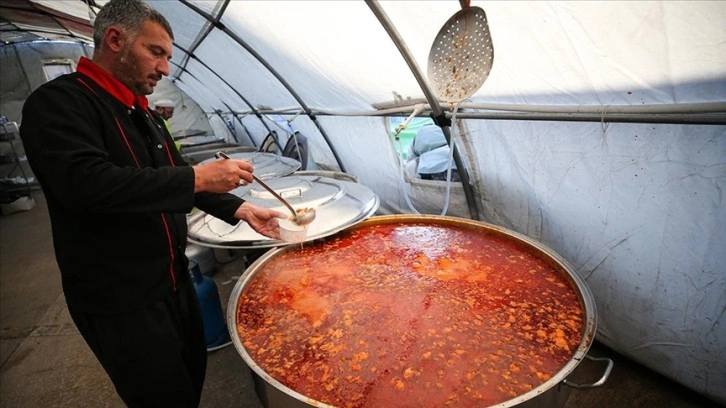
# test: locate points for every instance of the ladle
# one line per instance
(302, 216)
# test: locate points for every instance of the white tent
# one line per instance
(600, 132)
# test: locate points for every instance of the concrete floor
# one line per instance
(44, 362)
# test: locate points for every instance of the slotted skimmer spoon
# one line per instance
(460, 60)
(303, 216)
(461, 56)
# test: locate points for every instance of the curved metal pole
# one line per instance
(436, 109)
(247, 132)
(190, 54)
(683, 118)
(252, 108)
(208, 29)
(672, 119)
(702, 113)
(177, 78)
(219, 114)
(269, 67)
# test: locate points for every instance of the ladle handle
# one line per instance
(268, 188)
(282, 200)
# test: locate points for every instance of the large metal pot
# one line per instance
(551, 393)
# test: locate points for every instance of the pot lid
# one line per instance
(180, 134)
(339, 203)
(199, 140)
(267, 165)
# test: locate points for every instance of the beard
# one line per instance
(129, 73)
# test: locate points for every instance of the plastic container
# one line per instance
(215, 327)
(291, 232)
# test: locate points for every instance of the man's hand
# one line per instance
(263, 220)
(221, 176)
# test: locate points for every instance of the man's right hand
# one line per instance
(221, 176)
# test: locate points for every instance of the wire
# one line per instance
(402, 180)
(454, 131)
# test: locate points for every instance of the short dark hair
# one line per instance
(130, 15)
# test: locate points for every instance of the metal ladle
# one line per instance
(303, 216)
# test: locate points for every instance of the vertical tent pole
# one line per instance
(436, 109)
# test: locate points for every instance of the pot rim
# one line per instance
(586, 297)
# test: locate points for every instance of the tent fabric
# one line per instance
(187, 113)
(21, 70)
(635, 205)
(544, 52)
(56, 19)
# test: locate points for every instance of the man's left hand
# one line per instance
(263, 220)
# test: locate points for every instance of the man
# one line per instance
(429, 154)
(165, 109)
(118, 196)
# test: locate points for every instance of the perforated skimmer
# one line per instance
(461, 56)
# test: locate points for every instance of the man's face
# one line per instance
(165, 112)
(144, 58)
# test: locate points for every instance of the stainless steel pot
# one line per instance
(551, 393)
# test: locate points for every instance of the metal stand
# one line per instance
(11, 162)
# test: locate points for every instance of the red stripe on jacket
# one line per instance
(138, 165)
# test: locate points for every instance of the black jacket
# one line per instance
(117, 191)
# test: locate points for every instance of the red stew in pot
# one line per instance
(410, 314)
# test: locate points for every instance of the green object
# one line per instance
(407, 135)
(168, 127)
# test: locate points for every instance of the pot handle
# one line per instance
(597, 383)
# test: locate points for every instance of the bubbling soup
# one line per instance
(410, 314)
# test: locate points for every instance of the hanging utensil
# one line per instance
(302, 216)
(461, 56)
(460, 60)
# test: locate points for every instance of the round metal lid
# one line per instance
(339, 203)
(199, 140)
(267, 165)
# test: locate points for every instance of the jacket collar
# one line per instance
(112, 85)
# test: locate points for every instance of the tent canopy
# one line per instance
(600, 131)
